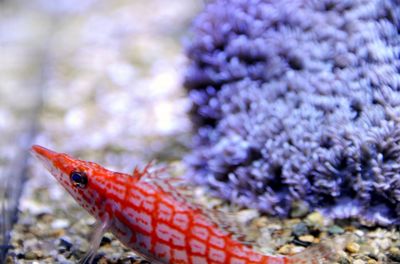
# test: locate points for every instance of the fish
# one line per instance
(146, 213)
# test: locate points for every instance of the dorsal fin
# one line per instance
(149, 171)
(228, 222)
(183, 191)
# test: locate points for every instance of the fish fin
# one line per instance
(226, 217)
(181, 190)
(178, 188)
(228, 222)
(100, 228)
(149, 171)
(139, 173)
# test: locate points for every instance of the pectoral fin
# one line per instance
(100, 228)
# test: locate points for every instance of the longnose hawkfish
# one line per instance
(148, 216)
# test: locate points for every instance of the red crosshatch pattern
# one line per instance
(148, 217)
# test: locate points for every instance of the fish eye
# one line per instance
(79, 179)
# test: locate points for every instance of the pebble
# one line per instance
(261, 222)
(359, 233)
(299, 210)
(102, 260)
(65, 242)
(297, 249)
(315, 219)
(322, 235)
(352, 247)
(60, 224)
(46, 218)
(106, 239)
(285, 249)
(66, 262)
(300, 229)
(344, 260)
(291, 222)
(290, 249)
(394, 254)
(358, 261)
(371, 249)
(378, 233)
(32, 255)
(62, 260)
(350, 229)
(307, 238)
(245, 216)
(84, 245)
(384, 244)
(9, 260)
(334, 230)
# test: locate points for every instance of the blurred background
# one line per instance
(101, 80)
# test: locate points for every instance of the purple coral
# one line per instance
(298, 100)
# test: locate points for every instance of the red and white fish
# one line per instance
(145, 213)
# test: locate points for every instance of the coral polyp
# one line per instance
(298, 101)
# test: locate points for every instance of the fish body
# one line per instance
(147, 216)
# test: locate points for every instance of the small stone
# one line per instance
(322, 235)
(105, 240)
(352, 247)
(62, 260)
(299, 210)
(307, 238)
(48, 232)
(334, 230)
(9, 260)
(384, 244)
(296, 249)
(285, 249)
(394, 254)
(358, 261)
(344, 260)
(83, 245)
(102, 260)
(31, 255)
(66, 243)
(359, 233)
(350, 229)
(292, 222)
(300, 229)
(46, 218)
(129, 258)
(246, 215)
(19, 255)
(379, 233)
(372, 261)
(261, 222)
(115, 243)
(297, 241)
(369, 248)
(60, 224)
(315, 219)
(373, 256)
(114, 257)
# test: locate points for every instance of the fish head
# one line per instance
(87, 182)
